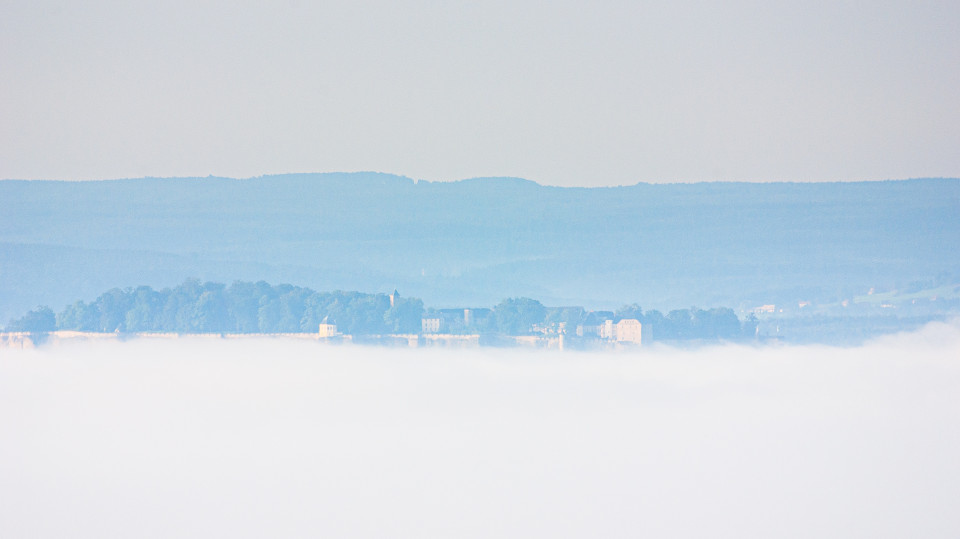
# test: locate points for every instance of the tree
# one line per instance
(292, 308)
(113, 306)
(679, 324)
(145, 312)
(79, 317)
(268, 315)
(655, 324)
(724, 323)
(404, 316)
(629, 311)
(243, 303)
(211, 314)
(314, 311)
(516, 316)
(365, 314)
(750, 326)
(37, 321)
(570, 317)
(179, 309)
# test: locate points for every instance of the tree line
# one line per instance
(242, 307)
(245, 307)
(692, 323)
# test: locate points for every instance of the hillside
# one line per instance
(478, 241)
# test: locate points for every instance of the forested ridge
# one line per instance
(242, 307)
(477, 241)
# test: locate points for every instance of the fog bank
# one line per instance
(198, 437)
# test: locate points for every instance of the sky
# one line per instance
(562, 93)
(253, 438)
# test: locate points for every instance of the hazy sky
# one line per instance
(566, 93)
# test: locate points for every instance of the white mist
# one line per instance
(273, 438)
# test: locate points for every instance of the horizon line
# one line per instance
(474, 178)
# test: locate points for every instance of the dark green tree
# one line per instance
(243, 302)
(292, 306)
(654, 324)
(629, 311)
(145, 310)
(211, 314)
(113, 306)
(723, 324)
(404, 316)
(40, 320)
(79, 317)
(516, 316)
(749, 327)
(179, 309)
(679, 324)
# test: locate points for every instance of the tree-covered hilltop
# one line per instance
(245, 307)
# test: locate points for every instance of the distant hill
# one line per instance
(474, 242)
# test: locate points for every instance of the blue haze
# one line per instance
(477, 241)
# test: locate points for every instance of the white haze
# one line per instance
(273, 438)
(564, 93)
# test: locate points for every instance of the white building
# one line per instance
(629, 330)
(431, 325)
(328, 330)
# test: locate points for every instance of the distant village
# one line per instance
(251, 310)
(448, 328)
(451, 328)
(625, 333)
(260, 310)
(515, 322)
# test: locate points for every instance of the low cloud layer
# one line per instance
(200, 437)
